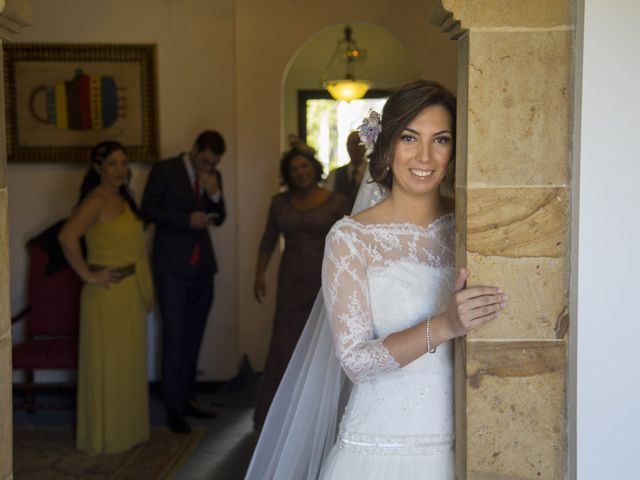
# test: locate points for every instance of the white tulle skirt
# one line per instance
(347, 464)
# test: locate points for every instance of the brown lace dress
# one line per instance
(298, 279)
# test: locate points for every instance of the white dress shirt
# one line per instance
(214, 197)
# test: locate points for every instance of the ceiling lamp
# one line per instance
(348, 58)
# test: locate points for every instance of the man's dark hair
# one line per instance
(211, 140)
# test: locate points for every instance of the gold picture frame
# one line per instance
(62, 99)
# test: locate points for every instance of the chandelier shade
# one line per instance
(353, 84)
(347, 90)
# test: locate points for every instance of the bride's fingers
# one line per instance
(479, 321)
(476, 313)
(484, 301)
(475, 292)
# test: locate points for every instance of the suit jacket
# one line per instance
(168, 201)
(343, 183)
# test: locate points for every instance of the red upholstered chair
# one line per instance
(51, 316)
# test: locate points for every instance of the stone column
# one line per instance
(14, 15)
(512, 213)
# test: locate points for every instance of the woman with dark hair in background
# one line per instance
(112, 407)
(303, 213)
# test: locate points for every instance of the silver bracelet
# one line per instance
(429, 349)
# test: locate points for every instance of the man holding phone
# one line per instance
(183, 198)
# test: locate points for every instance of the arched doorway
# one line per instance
(264, 119)
(389, 64)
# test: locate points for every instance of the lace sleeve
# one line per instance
(346, 296)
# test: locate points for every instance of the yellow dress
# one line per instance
(113, 406)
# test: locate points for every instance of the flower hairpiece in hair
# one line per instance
(369, 130)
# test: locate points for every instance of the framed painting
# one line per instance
(62, 99)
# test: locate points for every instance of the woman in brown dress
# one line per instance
(304, 214)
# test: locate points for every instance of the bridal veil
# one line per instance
(302, 423)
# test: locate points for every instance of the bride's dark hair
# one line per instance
(401, 108)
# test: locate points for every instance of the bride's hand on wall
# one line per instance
(470, 308)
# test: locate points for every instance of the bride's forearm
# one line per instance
(407, 345)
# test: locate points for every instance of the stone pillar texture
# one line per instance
(515, 67)
(14, 15)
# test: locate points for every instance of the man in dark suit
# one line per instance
(346, 179)
(183, 198)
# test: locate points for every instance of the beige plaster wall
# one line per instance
(195, 48)
(221, 64)
(268, 36)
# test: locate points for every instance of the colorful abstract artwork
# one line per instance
(63, 99)
(86, 102)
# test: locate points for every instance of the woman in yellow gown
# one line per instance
(113, 407)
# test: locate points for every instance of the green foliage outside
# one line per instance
(329, 123)
(322, 130)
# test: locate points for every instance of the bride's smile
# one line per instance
(420, 173)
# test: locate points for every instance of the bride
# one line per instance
(391, 303)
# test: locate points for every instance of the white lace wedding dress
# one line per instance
(377, 280)
(398, 422)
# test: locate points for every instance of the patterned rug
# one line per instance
(49, 454)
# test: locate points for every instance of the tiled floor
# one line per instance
(224, 452)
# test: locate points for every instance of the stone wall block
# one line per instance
(501, 13)
(517, 222)
(460, 343)
(460, 407)
(462, 121)
(515, 410)
(537, 308)
(519, 108)
(461, 226)
(3, 126)
(14, 16)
